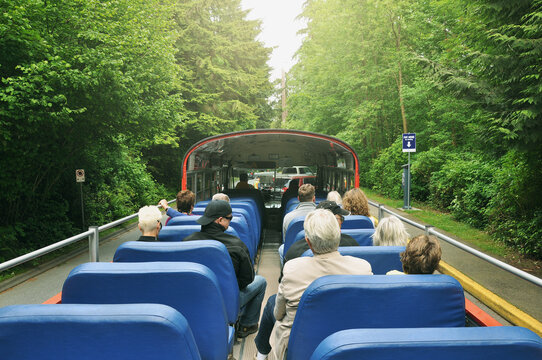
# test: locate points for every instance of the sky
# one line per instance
(279, 29)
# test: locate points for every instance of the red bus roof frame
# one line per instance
(270, 131)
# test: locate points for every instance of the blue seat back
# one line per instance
(237, 213)
(249, 206)
(90, 332)
(210, 253)
(381, 258)
(364, 237)
(339, 302)
(179, 232)
(294, 227)
(237, 223)
(190, 288)
(357, 222)
(495, 343)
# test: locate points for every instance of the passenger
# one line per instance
(214, 221)
(221, 196)
(421, 256)
(149, 223)
(185, 204)
(299, 247)
(355, 201)
(306, 205)
(291, 192)
(243, 182)
(335, 196)
(390, 232)
(322, 234)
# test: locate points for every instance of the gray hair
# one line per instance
(221, 196)
(390, 232)
(148, 217)
(335, 196)
(323, 231)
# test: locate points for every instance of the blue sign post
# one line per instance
(409, 145)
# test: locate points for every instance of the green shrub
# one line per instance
(464, 186)
(424, 165)
(386, 172)
(515, 212)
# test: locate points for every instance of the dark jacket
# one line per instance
(244, 271)
(147, 238)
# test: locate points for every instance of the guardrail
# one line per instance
(430, 231)
(93, 234)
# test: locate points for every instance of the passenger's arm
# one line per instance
(246, 270)
(280, 304)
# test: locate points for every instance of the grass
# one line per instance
(445, 221)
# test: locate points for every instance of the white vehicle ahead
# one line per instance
(297, 170)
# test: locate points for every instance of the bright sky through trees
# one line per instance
(279, 29)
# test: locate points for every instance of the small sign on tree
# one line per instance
(79, 175)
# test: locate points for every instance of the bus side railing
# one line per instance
(429, 230)
(93, 234)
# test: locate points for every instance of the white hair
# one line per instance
(221, 196)
(390, 232)
(322, 230)
(335, 196)
(148, 217)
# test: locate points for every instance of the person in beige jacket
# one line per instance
(323, 234)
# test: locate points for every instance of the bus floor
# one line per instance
(268, 266)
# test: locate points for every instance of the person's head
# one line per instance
(185, 201)
(335, 196)
(322, 231)
(221, 196)
(422, 255)
(243, 177)
(355, 201)
(305, 193)
(149, 220)
(293, 184)
(390, 232)
(217, 211)
(332, 206)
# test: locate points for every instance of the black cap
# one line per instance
(333, 207)
(214, 210)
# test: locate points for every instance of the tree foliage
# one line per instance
(113, 87)
(463, 75)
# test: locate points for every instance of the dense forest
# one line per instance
(464, 75)
(119, 88)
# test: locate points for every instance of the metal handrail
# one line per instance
(430, 231)
(93, 234)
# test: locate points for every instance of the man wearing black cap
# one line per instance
(214, 222)
(299, 247)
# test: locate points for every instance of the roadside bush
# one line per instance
(515, 212)
(386, 172)
(424, 165)
(464, 186)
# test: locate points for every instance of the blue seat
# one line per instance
(90, 332)
(249, 207)
(339, 302)
(190, 288)
(381, 258)
(238, 213)
(210, 253)
(357, 222)
(294, 227)
(237, 223)
(179, 232)
(364, 237)
(495, 343)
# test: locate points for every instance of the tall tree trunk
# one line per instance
(399, 77)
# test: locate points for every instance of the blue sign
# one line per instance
(409, 142)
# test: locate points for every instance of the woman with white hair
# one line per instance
(390, 232)
(335, 196)
(149, 223)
